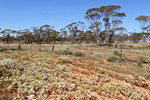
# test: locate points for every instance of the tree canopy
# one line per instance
(143, 21)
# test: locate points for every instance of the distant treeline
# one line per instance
(104, 30)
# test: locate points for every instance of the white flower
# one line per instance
(31, 97)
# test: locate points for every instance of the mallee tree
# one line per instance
(103, 21)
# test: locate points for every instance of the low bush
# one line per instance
(68, 52)
(112, 58)
(140, 60)
(64, 52)
(79, 54)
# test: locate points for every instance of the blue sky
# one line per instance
(23, 14)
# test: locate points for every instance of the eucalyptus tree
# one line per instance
(81, 32)
(122, 36)
(148, 26)
(76, 30)
(16, 34)
(93, 16)
(146, 37)
(63, 35)
(104, 20)
(136, 37)
(82, 26)
(112, 18)
(143, 21)
(46, 31)
(121, 30)
(37, 35)
(89, 37)
(73, 30)
(54, 36)
(26, 35)
(7, 35)
(80, 37)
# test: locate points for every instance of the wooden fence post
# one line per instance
(121, 53)
(40, 47)
(19, 47)
(53, 48)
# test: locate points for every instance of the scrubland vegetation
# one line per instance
(101, 62)
(74, 71)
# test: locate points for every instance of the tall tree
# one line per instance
(142, 21)
(108, 17)
(63, 35)
(76, 30)
(7, 35)
(37, 34)
(73, 30)
(81, 34)
(54, 36)
(26, 35)
(93, 16)
(148, 26)
(121, 37)
(89, 37)
(46, 31)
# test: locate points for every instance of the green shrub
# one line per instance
(79, 54)
(67, 52)
(140, 60)
(112, 58)
(64, 52)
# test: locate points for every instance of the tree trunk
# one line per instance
(98, 39)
